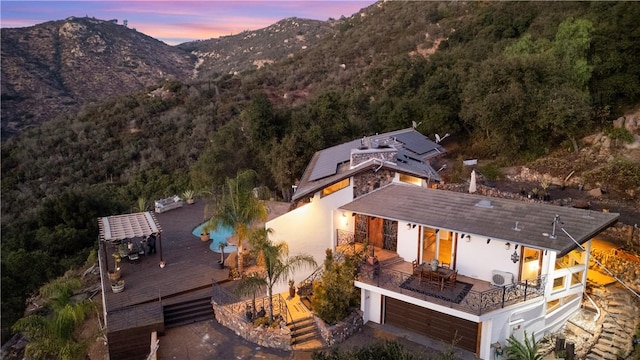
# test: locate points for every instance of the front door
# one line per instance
(376, 232)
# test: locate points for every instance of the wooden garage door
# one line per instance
(431, 323)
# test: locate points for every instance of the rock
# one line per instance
(596, 193)
(619, 122)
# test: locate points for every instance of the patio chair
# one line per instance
(453, 278)
(134, 255)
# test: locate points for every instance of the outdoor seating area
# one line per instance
(441, 276)
(167, 204)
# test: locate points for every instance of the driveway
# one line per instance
(210, 340)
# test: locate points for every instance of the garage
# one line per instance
(431, 323)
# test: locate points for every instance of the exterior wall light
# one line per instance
(515, 257)
(507, 246)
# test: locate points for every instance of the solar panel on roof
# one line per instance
(328, 160)
(416, 142)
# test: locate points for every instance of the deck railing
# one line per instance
(474, 302)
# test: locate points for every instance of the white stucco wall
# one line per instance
(309, 229)
(477, 259)
(408, 240)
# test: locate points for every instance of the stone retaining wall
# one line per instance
(275, 338)
(335, 334)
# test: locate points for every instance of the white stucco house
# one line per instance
(521, 266)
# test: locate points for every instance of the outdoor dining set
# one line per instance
(435, 274)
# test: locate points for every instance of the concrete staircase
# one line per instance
(187, 312)
(305, 335)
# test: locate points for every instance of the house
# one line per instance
(519, 266)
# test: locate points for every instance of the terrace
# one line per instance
(469, 295)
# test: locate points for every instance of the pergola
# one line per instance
(114, 229)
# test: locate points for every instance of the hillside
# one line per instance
(56, 67)
(511, 82)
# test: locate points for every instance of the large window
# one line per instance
(575, 257)
(335, 187)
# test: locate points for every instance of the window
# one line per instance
(575, 257)
(335, 187)
(558, 283)
(410, 179)
(576, 278)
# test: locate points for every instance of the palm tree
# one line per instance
(51, 337)
(279, 266)
(249, 286)
(517, 350)
(238, 208)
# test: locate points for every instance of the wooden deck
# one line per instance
(190, 269)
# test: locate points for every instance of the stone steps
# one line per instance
(620, 316)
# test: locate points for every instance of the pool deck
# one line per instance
(190, 268)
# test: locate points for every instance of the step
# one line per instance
(302, 323)
(189, 318)
(194, 302)
(168, 317)
(305, 338)
(188, 312)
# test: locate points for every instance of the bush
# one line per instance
(334, 296)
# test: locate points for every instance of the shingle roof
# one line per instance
(484, 216)
(332, 164)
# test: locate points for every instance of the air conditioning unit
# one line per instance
(501, 278)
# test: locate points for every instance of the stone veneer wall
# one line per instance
(368, 181)
(275, 338)
(335, 334)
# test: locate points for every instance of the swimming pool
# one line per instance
(217, 237)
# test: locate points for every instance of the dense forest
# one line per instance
(511, 80)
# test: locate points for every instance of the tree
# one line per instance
(238, 209)
(335, 295)
(279, 266)
(51, 337)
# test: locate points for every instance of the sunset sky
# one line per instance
(177, 21)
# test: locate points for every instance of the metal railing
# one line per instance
(474, 302)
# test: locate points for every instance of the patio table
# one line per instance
(439, 276)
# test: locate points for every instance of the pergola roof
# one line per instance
(127, 226)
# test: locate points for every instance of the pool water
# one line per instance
(217, 237)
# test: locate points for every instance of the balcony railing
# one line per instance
(474, 302)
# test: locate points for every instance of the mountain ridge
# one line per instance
(56, 67)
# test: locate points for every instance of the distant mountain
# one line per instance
(56, 67)
(255, 49)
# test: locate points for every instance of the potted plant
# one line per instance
(221, 246)
(434, 264)
(117, 286)
(292, 289)
(204, 235)
(187, 195)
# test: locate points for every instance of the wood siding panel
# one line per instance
(431, 323)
